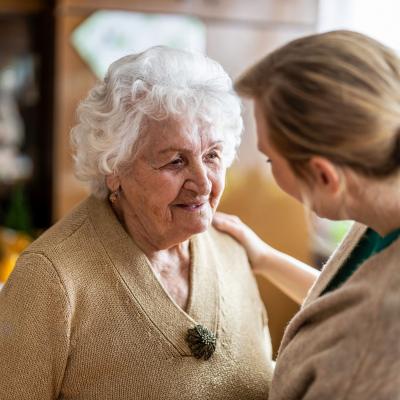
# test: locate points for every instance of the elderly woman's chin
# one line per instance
(193, 219)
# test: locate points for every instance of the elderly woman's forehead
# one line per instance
(174, 122)
(179, 128)
(166, 124)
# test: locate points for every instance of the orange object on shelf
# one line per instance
(7, 265)
(12, 244)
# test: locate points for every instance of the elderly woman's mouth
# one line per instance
(191, 206)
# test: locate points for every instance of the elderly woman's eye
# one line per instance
(177, 161)
(213, 155)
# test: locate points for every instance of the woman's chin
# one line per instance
(199, 226)
(182, 233)
(194, 222)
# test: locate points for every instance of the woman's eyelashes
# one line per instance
(268, 160)
(180, 161)
(213, 155)
(177, 161)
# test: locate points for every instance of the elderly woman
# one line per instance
(132, 295)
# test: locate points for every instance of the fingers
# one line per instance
(230, 224)
(220, 221)
(223, 219)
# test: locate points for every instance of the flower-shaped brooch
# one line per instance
(201, 341)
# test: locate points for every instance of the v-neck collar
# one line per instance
(335, 262)
(134, 269)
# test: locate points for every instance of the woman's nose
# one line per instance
(198, 180)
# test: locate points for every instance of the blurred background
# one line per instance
(52, 52)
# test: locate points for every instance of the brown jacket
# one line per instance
(345, 345)
(83, 317)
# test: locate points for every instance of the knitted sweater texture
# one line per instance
(345, 344)
(83, 317)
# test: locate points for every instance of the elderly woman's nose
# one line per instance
(199, 180)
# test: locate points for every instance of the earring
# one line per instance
(113, 197)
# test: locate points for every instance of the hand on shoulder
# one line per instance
(255, 247)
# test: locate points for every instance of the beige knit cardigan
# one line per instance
(345, 344)
(83, 317)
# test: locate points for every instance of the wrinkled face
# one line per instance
(283, 174)
(175, 183)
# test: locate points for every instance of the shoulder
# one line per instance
(226, 243)
(62, 250)
(230, 258)
(69, 254)
(228, 251)
(68, 227)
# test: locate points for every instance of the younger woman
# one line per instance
(327, 109)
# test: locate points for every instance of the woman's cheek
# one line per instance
(218, 188)
(222, 180)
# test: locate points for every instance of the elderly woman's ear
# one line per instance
(113, 182)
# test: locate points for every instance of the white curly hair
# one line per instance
(158, 84)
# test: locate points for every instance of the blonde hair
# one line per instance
(335, 94)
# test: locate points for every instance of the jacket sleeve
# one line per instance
(34, 331)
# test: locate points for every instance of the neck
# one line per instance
(169, 261)
(155, 249)
(376, 203)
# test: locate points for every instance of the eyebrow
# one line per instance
(178, 150)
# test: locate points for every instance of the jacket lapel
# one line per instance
(336, 261)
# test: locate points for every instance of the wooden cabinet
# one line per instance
(73, 79)
(26, 93)
(248, 12)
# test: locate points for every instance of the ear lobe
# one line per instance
(325, 174)
(113, 182)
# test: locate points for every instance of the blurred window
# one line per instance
(109, 35)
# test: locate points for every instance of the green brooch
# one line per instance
(201, 342)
